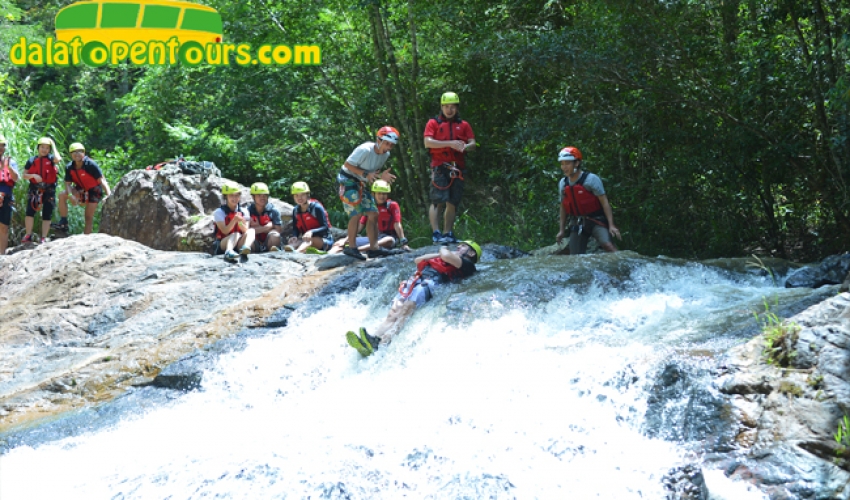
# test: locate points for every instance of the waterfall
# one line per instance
(536, 378)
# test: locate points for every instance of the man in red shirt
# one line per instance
(448, 138)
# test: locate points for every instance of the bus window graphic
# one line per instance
(132, 21)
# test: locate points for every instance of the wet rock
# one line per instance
(685, 483)
(833, 270)
(169, 210)
(89, 315)
(785, 418)
(499, 252)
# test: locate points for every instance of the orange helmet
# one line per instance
(388, 133)
(569, 153)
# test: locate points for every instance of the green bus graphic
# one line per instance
(130, 21)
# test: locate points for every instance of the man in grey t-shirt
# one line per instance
(583, 198)
(9, 175)
(360, 169)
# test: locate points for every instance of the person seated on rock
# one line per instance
(85, 185)
(311, 226)
(265, 220)
(42, 172)
(390, 230)
(9, 175)
(232, 224)
(431, 270)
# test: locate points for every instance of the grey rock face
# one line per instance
(169, 210)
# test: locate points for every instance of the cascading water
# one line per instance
(530, 380)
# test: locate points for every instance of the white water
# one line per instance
(518, 403)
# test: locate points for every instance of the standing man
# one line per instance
(42, 172)
(8, 177)
(85, 185)
(447, 138)
(361, 169)
(583, 199)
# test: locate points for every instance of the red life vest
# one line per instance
(385, 218)
(82, 178)
(45, 167)
(6, 172)
(262, 221)
(305, 220)
(449, 131)
(441, 266)
(228, 216)
(578, 200)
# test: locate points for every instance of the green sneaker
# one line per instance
(354, 342)
(369, 340)
(315, 251)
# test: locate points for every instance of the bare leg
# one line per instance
(273, 239)
(63, 204)
(91, 208)
(4, 238)
(433, 217)
(399, 313)
(45, 228)
(28, 222)
(449, 218)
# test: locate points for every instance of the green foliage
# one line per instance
(842, 436)
(719, 129)
(780, 338)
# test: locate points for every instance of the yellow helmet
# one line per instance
(300, 187)
(259, 188)
(45, 140)
(475, 247)
(230, 188)
(76, 147)
(381, 186)
(449, 98)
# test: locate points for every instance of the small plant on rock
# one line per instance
(779, 338)
(842, 436)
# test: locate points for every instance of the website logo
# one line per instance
(149, 33)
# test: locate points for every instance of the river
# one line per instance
(532, 379)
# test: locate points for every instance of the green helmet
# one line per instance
(381, 186)
(475, 247)
(259, 188)
(449, 98)
(45, 140)
(76, 147)
(230, 187)
(300, 187)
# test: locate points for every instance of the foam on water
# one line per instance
(521, 402)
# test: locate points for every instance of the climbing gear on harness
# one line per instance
(300, 187)
(388, 134)
(259, 188)
(381, 186)
(569, 153)
(406, 287)
(355, 342)
(37, 197)
(449, 98)
(454, 173)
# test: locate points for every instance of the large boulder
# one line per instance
(169, 210)
(831, 271)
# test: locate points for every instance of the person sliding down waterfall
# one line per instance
(431, 270)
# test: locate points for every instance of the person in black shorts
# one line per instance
(42, 172)
(85, 185)
(8, 177)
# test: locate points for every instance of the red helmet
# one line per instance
(569, 153)
(388, 133)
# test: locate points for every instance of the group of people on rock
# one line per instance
(85, 185)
